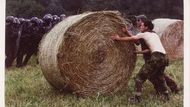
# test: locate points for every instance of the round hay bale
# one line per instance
(172, 40)
(161, 24)
(80, 54)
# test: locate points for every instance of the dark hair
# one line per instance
(148, 23)
(141, 17)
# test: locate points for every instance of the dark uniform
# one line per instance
(24, 41)
(31, 35)
(47, 22)
(11, 36)
(56, 19)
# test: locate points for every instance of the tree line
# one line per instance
(153, 9)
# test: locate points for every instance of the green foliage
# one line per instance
(24, 8)
(27, 87)
(153, 9)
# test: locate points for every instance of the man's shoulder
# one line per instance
(145, 33)
(150, 33)
(141, 35)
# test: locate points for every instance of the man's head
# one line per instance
(146, 25)
(47, 18)
(35, 21)
(56, 19)
(22, 20)
(139, 19)
(10, 20)
(62, 17)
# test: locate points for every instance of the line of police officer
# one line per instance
(23, 36)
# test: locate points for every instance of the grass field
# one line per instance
(27, 87)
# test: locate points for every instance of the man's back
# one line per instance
(153, 41)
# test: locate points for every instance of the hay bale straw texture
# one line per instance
(78, 53)
(172, 40)
(160, 24)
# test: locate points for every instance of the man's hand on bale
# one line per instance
(124, 29)
(115, 37)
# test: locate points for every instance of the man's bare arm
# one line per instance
(132, 38)
(125, 30)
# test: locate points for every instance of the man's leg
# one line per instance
(162, 86)
(19, 59)
(139, 80)
(171, 84)
(155, 83)
(26, 59)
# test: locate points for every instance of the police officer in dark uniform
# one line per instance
(34, 39)
(62, 17)
(56, 19)
(47, 25)
(12, 25)
(24, 41)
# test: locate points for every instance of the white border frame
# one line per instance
(186, 82)
(2, 55)
(186, 53)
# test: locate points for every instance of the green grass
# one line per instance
(27, 87)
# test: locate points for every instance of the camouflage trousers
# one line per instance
(153, 70)
(169, 81)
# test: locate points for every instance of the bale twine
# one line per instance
(172, 40)
(160, 24)
(80, 54)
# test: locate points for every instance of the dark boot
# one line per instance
(135, 99)
(166, 96)
(171, 84)
(175, 90)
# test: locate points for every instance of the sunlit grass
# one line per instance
(27, 87)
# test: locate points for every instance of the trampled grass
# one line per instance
(27, 87)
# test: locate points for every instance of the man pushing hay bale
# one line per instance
(78, 53)
(172, 40)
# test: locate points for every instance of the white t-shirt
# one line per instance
(153, 41)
